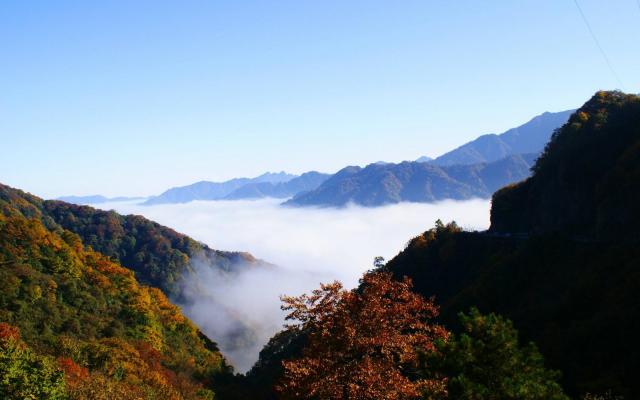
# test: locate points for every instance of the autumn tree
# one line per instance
(361, 344)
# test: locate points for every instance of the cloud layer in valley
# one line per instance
(308, 246)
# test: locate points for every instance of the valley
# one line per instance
(307, 246)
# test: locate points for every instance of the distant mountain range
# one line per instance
(530, 137)
(379, 184)
(303, 183)
(279, 185)
(475, 169)
(95, 199)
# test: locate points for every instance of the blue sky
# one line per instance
(132, 97)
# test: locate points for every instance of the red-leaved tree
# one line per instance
(361, 344)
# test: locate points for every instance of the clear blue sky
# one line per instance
(132, 97)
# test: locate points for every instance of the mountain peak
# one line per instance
(529, 137)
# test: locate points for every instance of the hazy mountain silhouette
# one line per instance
(530, 137)
(379, 184)
(305, 182)
(95, 199)
(206, 190)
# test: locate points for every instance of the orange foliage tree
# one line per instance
(361, 344)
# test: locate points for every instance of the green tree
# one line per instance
(486, 362)
(23, 374)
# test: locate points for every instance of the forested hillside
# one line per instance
(561, 258)
(587, 181)
(159, 256)
(75, 324)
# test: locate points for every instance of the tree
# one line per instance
(361, 344)
(485, 362)
(23, 374)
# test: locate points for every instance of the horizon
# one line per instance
(276, 172)
(207, 92)
(261, 174)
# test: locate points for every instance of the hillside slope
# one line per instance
(159, 256)
(587, 182)
(112, 337)
(561, 257)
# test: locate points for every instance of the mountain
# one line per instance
(303, 183)
(561, 256)
(274, 177)
(475, 169)
(203, 190)
(530, 137)
(206, 190)
(379, 184)
(587, 181)
(525, 140)
(95, 199)
(76, 324)
(159, 256)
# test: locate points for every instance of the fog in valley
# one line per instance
(307, 246)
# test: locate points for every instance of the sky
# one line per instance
(133, 97)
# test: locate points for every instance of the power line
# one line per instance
(595, 39)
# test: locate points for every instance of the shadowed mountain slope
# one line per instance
(587, 181)
(561, 258)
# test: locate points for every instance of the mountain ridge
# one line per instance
(380, 184)
(96, 199)
(530, 137)
(305, 182)
(207, 190)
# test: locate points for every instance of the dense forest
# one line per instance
(75, 324)
(543, 305)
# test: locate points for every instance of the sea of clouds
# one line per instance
(307, 245)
